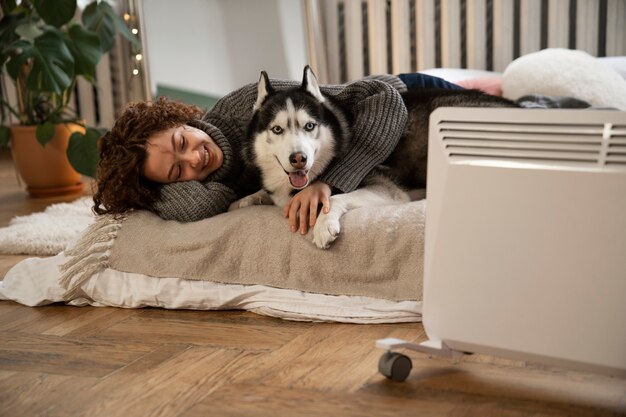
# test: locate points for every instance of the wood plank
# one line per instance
(167, 389)
(53, 319)
(111, 384)
(103, 394)
(93, 328)
(336, 357)
(25, 319)
(261, 334)
(10, 380)
(88, 318)
(41, 394)
(62, 356)
(252, 400)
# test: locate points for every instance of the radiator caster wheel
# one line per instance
(395, 366)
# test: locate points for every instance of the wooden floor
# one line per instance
(71, 361)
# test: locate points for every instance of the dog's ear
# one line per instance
(310, 85)
(264, 89)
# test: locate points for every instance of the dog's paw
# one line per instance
(326, 230)
(257, 199)
(241, 203)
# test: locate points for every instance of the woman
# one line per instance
(168, 158)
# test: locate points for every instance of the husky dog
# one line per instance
(295, 133)
(408, 162)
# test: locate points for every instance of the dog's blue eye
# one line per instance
(309, 126)
(277, 130)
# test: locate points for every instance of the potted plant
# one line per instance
(44, 50)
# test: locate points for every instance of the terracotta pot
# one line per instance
(45, 169)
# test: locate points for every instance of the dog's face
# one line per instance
(292, 141)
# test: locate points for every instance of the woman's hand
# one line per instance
(305, 204)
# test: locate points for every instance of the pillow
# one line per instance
(35, 282)
(489, 85)
(565, 72)
(618, 63)
(244, 259)
(454, 75)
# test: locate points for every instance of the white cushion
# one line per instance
(565, 72)
(35, 282)
(618, 63)
(454, 75)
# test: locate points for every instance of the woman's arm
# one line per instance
(379, 118)
(191, 201)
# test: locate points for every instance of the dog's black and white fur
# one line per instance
(295, 133)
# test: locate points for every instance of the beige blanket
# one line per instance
(378, 254)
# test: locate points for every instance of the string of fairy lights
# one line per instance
(131, 21)
(139, 85)
(131, 17)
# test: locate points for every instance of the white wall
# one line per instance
(293, 29)
(215, 46)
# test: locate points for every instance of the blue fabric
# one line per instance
(417, 80)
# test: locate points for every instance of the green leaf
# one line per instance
(8, 26)
(82, 151)
(5, 136)
(121, 26)
(85, 47)
(24, 50)
(28, 31)
(8, 5)
(102, 19)
(45, 133)
(55, 12)
(96, 20)
(53, 64)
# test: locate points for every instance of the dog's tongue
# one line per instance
(298, 179)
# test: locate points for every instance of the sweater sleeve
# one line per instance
(191, 201)
(379, 118)
(392, 80)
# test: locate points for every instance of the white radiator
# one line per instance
(525, 238)
(348, 39)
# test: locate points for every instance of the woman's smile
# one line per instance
(181, 153)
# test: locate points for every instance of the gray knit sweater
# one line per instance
(378, 118)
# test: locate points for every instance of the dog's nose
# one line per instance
(298, 160)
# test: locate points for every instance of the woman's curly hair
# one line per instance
(120, 184)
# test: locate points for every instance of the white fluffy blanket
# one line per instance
(565, 73)
(48, 232)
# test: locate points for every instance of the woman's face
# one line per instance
(181, 153)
